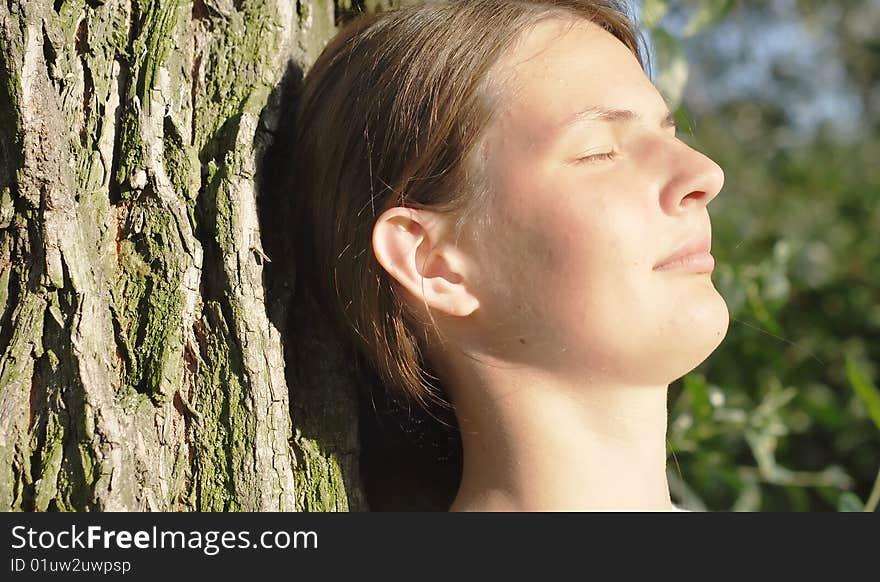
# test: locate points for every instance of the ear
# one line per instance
(408, 243)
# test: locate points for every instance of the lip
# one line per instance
(691, 256)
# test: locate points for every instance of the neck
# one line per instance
(537, 443)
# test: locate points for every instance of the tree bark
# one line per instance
(142, 324)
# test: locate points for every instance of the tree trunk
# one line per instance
(142, 326)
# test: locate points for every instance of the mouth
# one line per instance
(691, 256)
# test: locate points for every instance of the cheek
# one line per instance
(603, 300)
(598, 241)
(571, 242)
(577, 257)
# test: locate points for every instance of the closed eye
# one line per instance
(597, 157)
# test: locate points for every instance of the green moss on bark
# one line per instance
(224, 431)
(148, 297)
(319, 471)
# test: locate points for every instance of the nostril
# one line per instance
(694, 196)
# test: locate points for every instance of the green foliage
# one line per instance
(785, 415)
(671, 66)
(865, 389)
(709, 13)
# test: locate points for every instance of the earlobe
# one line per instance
(407, 244)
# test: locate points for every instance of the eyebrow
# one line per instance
(605, 114)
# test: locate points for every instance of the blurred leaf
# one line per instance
(798, 497)
(849, 502)
(760, 310)
(710, 13)
(696, 387)
(874, 497)
(749, 496)
(672, 66)
(819, 401)
(775, 399)
(763, 448)
(776, 287)
(683, 122)
(731, 288)
(864, 388)
(653, 12)
(815, 264)
(687, 498)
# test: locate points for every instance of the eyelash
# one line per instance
(597, 157)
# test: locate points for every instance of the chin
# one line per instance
(709, 328)
(696, 337)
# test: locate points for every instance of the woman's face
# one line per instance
(591, 194)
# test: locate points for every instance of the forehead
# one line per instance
(563, 66)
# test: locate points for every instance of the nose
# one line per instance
(695, 179)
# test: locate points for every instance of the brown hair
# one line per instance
(390, 115)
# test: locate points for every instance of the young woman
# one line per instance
(492, 192)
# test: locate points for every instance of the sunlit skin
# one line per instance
(564, 322)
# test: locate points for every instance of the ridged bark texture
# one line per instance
(142, 365)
